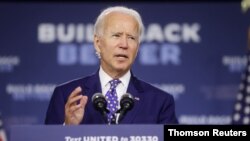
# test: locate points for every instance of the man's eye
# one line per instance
(116, 35)
(133, 38)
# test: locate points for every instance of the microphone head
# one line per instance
(127, 101)
(99, 101)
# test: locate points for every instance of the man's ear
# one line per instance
(97, 43)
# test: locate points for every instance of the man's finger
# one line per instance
(76, 91)
(73, 100)
(73, 94)
(83, 101)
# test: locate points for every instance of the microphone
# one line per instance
(126, 103)
(100, 104)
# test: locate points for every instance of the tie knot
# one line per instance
(114, 83)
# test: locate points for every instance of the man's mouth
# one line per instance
(121, 56)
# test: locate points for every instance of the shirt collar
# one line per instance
(105, 78)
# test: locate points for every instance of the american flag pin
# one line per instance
(137, 98)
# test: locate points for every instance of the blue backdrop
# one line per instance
(195, 51)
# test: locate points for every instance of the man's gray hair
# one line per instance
(99, 24)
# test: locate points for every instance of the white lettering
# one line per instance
(154, 33)
(68, 138)
(100, 138)
(9, 60)
(190, 33)
(46, 33)
(67, 33)
(174, 132)
(173, 32)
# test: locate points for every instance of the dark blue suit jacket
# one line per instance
(153, 106)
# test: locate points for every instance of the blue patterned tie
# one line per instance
(112, 99)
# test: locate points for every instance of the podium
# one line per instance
(87, 133)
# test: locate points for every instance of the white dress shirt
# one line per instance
(121, 87)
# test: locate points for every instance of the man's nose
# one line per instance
(124, 42)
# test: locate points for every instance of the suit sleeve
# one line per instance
(55, 112)
(167, 115)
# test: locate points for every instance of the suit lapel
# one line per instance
(92, 85)
(136, 90)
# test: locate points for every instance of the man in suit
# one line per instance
(117, 35)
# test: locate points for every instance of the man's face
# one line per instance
(119, 43)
